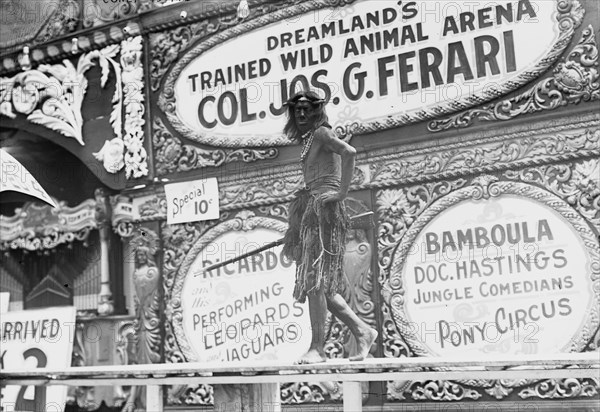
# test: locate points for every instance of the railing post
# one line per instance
(258, 397)
(266, 397)
(154, 398)
(352, 397)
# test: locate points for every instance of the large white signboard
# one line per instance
(379, 64)
(244, 310)
(40, 338)
(506, 275)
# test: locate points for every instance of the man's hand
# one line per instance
(331, 196)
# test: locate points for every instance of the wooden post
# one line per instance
(265, 398)
(260, 397)
(154, 398)
(352, 397)
(105, 304)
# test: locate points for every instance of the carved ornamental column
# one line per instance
(105, 300)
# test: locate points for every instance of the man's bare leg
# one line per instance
(364, 334)
(317, 309)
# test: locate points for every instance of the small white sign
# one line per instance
(192, 201)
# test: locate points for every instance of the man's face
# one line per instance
(304, 114)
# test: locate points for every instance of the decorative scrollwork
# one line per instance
(578, 184)
(42, 227)
(191, 395)
(346, 131)
(152, 208)
(397, 389)
(499, 391)
(250, 155)
(359, 177)
(136, 162)
(126, 342)
(594, 343)
(173, 156)
(97, 12)
(397, 210)
(251, 192)
(310, 392)
(574, 80)
(394, 345)
(123, 229)
(165, 47)
(52, 95)
(64, 20)
(279, 211)
(562, 389)
(482, 187)
(509, 152)
(442, 391)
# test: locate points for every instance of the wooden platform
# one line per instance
(571, 365)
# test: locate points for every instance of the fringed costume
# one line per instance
(316, 241)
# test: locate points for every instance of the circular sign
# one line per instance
(502, 274)
(243, 310)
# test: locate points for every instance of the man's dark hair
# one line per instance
(290, 129)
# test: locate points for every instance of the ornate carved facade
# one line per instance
(534, 138)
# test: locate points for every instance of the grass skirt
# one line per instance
(316, 241)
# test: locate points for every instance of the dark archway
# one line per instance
(47, 273)
(58, 171)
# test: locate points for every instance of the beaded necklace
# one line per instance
(306, 143)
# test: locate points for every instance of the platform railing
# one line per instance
(266, 376)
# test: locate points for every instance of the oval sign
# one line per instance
(511, 274)
(244, 310)
(380, 64)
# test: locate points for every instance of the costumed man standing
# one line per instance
(318, 223)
